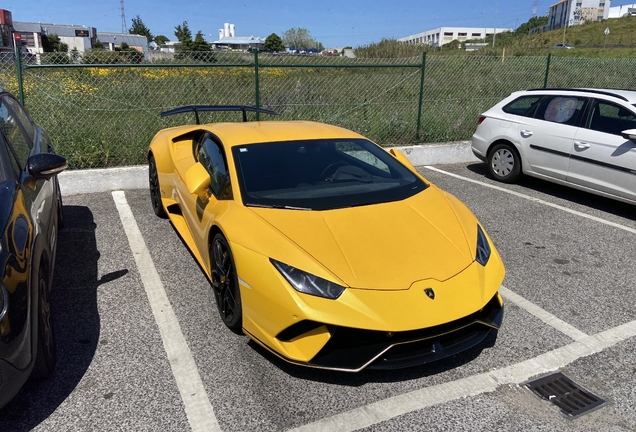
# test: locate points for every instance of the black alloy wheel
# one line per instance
(60, 210)
(155, 190)
(225, 283)
(46, 356)
(504, 163)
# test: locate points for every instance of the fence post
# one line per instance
(419, 109)
(257, 91)
(547, 71)
(18, 65)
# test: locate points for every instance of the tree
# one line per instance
(139, 28)
(533, 22)
(161, 39)
(52, 43)
(200, 44)
(98, 45)
(299, 38)
(184, 36)
(274, 43)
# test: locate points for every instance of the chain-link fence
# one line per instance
(102, 110)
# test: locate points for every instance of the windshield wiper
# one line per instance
(276, 206)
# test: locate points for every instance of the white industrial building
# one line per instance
(575, 12)
(114, 40)
(76, 37)
(443, 35)
(621, 11)
(229, 40)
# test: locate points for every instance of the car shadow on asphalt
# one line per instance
(608, 205)
(378, 376)
(76, 322)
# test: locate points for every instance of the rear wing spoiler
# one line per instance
(200, 108)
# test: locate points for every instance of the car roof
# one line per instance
(233, 134)
(628, 96)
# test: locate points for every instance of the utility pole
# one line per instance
(494, 34)
(123, 17)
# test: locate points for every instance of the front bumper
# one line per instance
(352, 350)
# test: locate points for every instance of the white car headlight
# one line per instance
(483, 248)
(307, 283)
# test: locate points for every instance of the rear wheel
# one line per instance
(46, 356)
(225, 283)
(504, 163)
(155, 190)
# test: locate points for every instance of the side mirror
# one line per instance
(197, 179)
(402, 159)
(46, 165)
(629, 134)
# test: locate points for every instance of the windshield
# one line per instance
(321, 174)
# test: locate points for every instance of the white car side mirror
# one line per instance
(629, 134)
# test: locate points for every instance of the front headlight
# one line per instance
(483, 248)
(307, 283)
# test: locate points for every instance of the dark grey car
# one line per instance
(30, 214)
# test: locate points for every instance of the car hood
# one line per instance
(383, 246)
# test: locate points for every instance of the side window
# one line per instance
(523, 106)
(610, 118)
(560, 109)
(13, 133)
(212, 158)
(23, 117)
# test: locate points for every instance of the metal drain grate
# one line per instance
(568, 396)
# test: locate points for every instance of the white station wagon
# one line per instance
(584, 138)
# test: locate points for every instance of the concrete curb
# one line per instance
(136, 177)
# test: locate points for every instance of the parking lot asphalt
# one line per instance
(141, 347)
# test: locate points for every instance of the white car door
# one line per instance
(546, 138)
(601, 158)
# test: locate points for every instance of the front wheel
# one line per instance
(504, 163)
(46, 356)
(225, 283)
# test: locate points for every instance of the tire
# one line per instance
(225, 283)
(46, 355)
(60, 210)
(155, 190)
(504, 163)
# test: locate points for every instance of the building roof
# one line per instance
(67, 30)
(240, 40)
(118, 38)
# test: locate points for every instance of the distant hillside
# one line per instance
(589, 40)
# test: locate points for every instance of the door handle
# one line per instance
(581, 145)
(526, 133)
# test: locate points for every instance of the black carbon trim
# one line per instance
(604, 164)
(547, 150)
(584, 159)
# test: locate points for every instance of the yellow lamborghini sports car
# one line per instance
(323, 247)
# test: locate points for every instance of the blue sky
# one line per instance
(332, 22)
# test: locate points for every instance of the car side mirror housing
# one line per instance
(629, 134)
(197, 179)
(46, 165)
(401, 157)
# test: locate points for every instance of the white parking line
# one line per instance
(395, 406)
(195, 399)
(537, 200)
(542, 314)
